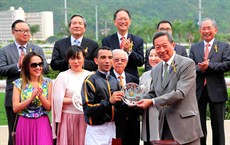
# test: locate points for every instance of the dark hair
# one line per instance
(25, 70)
(115, 14)
(163, 33)
(15, 23)
(74, 51)
(163, 21)
(101, 48)
(77, 15)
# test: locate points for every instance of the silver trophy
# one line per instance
(77, 100)
(133, 93)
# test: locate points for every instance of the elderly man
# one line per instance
(77, 28)
(212, 59)
(128, 122)
(173, 92)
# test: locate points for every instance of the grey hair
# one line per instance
(212, 20)
(122, 51)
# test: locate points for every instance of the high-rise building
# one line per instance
(43, 19)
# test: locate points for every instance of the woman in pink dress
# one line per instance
(70, 121)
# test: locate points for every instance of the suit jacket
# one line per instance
(176, 99)
(178, 48)
(136, 58)
(59, 61)
(128, 121)
(8, 66)
(219, 64)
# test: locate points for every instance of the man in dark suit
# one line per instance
(165, 25)
(173, 92)
(128, 122)
(11, 57)
(131, 44)
(212, 59)
(77, 28)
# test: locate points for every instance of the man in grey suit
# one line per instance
(212, 59)
(11, 57)
(173, 92)
(165, 25)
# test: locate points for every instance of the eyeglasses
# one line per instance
(34, 65)
(165, 29)
(22, 31)
(120, 59)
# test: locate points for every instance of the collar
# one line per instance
(72, 39)
(211, 43)
(116, 74)
(119, 36)
(169, 62)
(104, 73)
(18, 45)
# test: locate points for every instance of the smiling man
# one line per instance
(130, 43)
(77, 28)
(173, 93)
(212, 59)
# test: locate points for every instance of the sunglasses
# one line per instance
(34, 65)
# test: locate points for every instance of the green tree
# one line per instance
(34, 29)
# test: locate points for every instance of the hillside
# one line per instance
(144, 12)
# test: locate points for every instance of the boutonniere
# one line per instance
(131, 45)
(216, 48)
(86, 49)
(31, 49)
(173, 66)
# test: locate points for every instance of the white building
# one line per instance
(6, 20)
(43, 19)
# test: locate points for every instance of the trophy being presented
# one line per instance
(133, 93)
(77, 100)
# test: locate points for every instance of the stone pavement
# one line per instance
(4, 134)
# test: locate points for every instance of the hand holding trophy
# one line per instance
(133, 93)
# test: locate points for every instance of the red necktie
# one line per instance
(206, 53)
(121, 44)
(22, 50)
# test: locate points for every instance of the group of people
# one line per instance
(180, 86)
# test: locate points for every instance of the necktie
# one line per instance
(121, 44)
(165, 73)
(120, 80)
(76, 42)
(206, 53)
(22, 50)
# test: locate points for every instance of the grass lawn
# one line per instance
(3, 120)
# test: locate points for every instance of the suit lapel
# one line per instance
(201, 50)
(15, 51)
(172, 71)
(212, 51)
(116, 44)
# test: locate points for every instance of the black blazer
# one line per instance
(128, 121)
(59, 61)
(219, 64)
(136, 58)
(178, 48)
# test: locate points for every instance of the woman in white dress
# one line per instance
(70, 121)
(150, 131)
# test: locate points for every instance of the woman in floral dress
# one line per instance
(32, 101)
